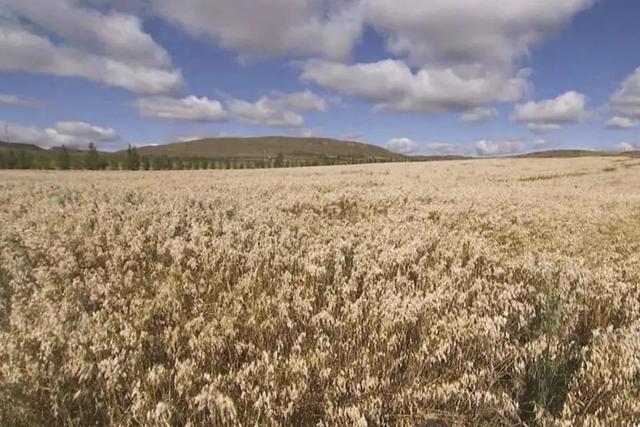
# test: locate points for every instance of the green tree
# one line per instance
(103, 163)
(92, 159)
(11, 161)
(279, 161)
(132, 159)
(63, 161)
(24, 160)
(42, 162)
(156, 163)
(146, 164)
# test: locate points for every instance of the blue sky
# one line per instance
(474, 77)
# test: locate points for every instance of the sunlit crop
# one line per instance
(488, 292)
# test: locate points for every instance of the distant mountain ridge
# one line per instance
(267, 147)
(19, 146)
(567, 153)
(297, 150)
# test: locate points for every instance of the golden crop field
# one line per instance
(470, 293)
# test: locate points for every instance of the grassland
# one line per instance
(485, 292)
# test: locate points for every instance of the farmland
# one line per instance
(478, 292)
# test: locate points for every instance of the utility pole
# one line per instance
(6, 131)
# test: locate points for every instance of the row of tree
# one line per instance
(63, 159)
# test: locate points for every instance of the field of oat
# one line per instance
(482, 292)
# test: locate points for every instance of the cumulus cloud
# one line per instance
(261, 113)
(626, 100)
(299, 101)
(402, 145)
(550, 114)
(392, 85)
(444, 148)
(190, 108)
(619, 122)
(493, 148)
(188, 138)
(18, 101)
(627, 146)
(274, 27)
(424, 32)
(74, 134)
(479, 114)
(495, 32)
(456, 70)
(66, 39)
(110, 34)
(543, 127)
(278, 110)
(543, 143)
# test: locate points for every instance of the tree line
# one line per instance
(62, 159)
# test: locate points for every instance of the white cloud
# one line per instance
(111, 34)
(85, 131)
(273, 27)
(104, 41)
(279, 110)
(18, 101)
(627, 146)
(261, 113)
(479, 114)
(619, 122)
(543, 127)
(190, 108)
(496, 32)
(189, 138)
(550, 114)
(443, 148)
(402, 146)
(110, 48)
(299, 101)
(493, 148)
(490, 32)
(457, 70)
(626, 100)
(71, 134)
(392, 85)
(543, 143)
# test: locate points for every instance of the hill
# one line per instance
(257, 152)
(568, 153)
(436, 158)
(18, 146)
(268, 147)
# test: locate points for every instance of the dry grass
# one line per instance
(370, 295)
